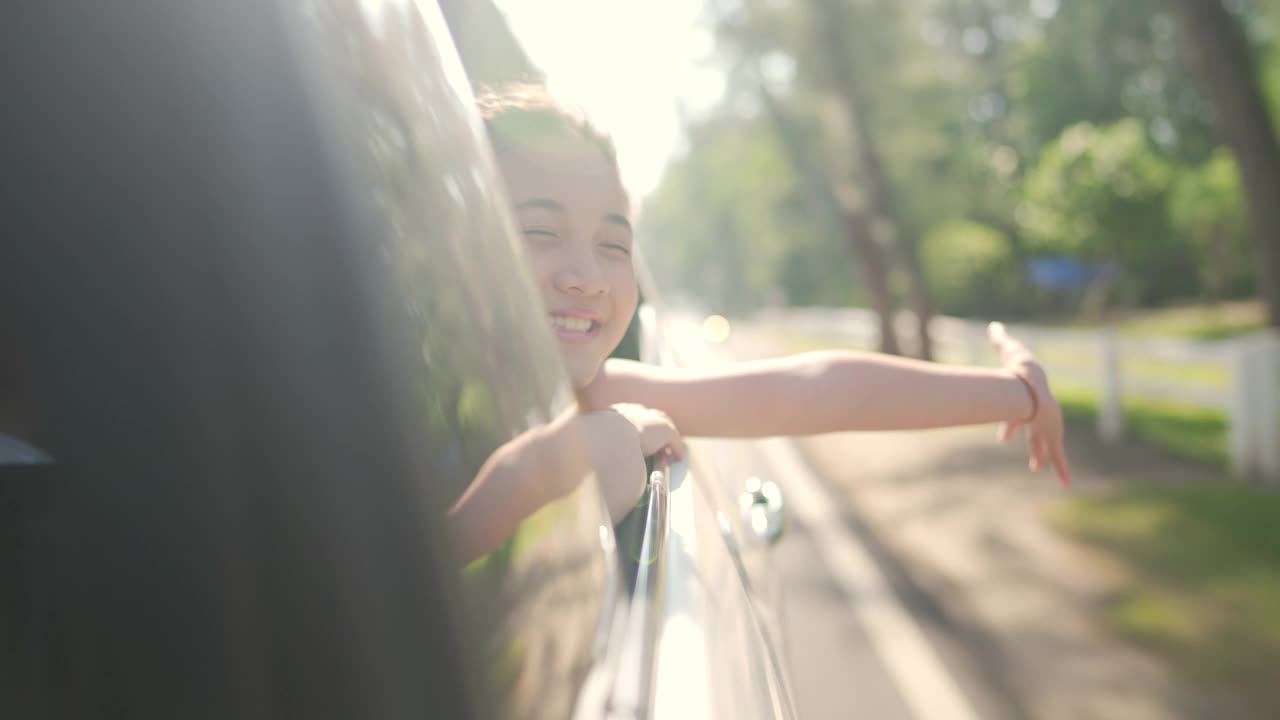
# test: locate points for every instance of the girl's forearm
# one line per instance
(822, 392)
(521, 476)
(863, 391)
(493, 504)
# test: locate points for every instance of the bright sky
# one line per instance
(628, 64)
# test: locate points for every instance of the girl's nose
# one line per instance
(582, 277)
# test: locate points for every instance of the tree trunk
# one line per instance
(833, 32)
(1219, 57)
(871, 265)
(868, 260)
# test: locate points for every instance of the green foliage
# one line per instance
(1092, 189)
(730, 223)
(1206, 205)
(970, 268)
(1099, 195)
(1070, 128)
(1208, 196)
(1100, 62)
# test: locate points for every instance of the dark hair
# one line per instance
(524, 115)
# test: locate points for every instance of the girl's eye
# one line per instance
(617, 249)
(541, 234)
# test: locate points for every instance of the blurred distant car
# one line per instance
(268, 319)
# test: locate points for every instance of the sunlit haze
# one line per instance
(628, 65)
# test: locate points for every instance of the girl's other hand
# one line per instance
(618, 441)
(655, 429)
(1045, 427)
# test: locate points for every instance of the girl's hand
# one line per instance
(1045, 427)
(656, 431)
(618, 440)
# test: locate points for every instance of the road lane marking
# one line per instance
(927, 687)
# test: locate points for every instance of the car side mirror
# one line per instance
(763, 509)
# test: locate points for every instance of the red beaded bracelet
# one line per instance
(1031, 391)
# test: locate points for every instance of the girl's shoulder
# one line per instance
(620, 381)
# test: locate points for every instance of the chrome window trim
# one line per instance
(632, 692)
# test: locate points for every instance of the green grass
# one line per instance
(1205, 581)
(1057, 355)
(1189, 433)
(1207, 374)
(1199, 321)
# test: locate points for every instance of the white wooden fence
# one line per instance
(1239, 377)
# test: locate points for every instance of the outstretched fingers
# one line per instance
(1010, 347)
(1009, 430)
(1059, 458)
(999, 336)
(1036, 446)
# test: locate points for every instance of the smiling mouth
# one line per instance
(568, 327)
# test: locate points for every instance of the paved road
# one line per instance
(921, 580)
(862, 641)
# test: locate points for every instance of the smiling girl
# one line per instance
(571, 208)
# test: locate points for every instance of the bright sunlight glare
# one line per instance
(629, 65)
(715, 329)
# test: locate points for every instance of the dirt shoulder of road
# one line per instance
(969, 524)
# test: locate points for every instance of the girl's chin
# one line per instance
(582, 370)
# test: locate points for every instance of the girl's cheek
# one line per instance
(543, 264)
(628, 286)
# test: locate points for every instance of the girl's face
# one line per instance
(571, 209)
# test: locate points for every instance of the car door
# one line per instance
(715, 623)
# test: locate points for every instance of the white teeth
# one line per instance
(571, 323)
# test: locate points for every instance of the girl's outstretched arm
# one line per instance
(834, 391)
